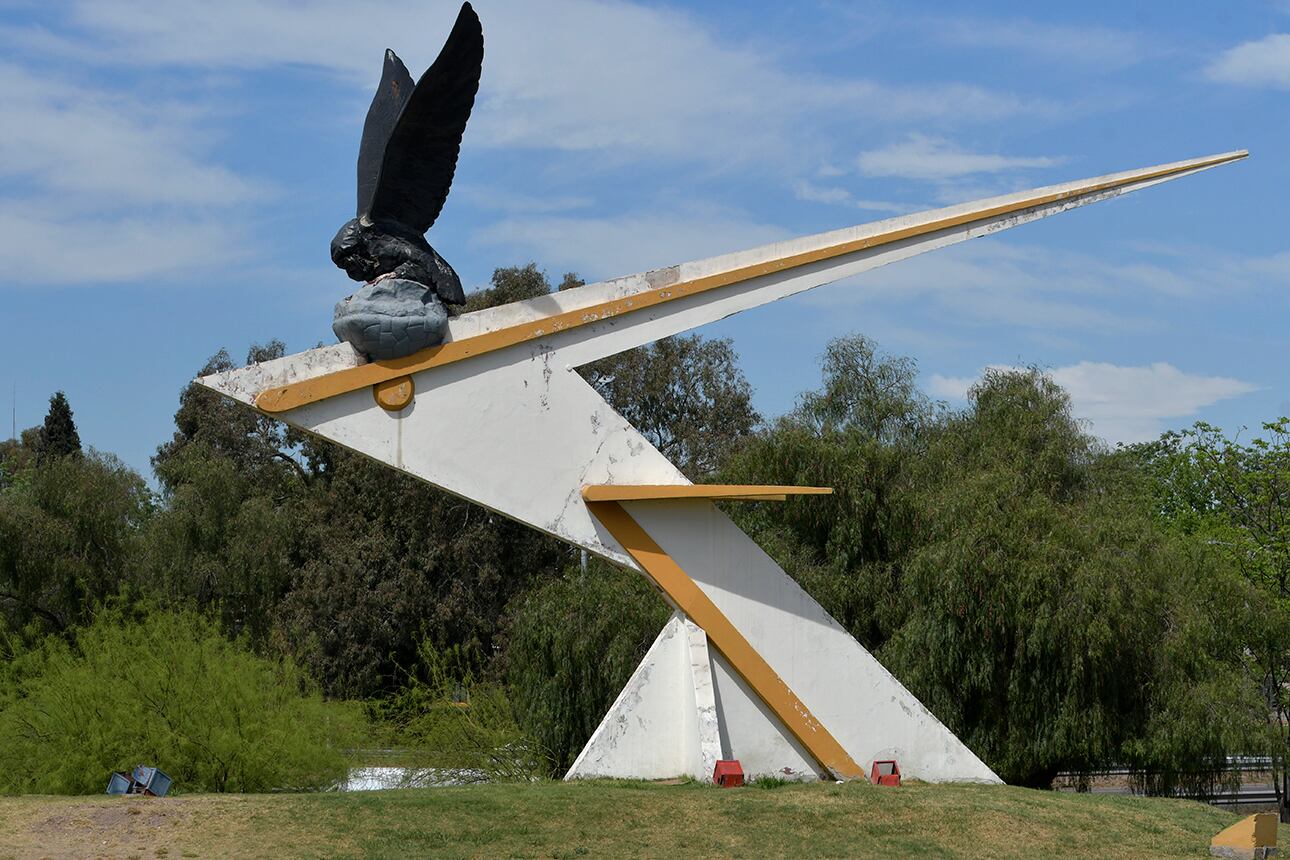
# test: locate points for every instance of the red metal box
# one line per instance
(885, 773)
(728, 773)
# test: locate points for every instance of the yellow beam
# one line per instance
(726, 638)
(651, 492)
(1246, 837)
(296, 394)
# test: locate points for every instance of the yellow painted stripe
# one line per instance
(296, 394)
(726, 638)
(649, 492)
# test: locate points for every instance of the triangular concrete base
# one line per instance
(664, 722)
(866, 709)
(676, 716)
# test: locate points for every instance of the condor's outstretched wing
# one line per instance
(393, 93)
(421, 154)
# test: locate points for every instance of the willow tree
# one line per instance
(69, 536)
(1056, 627)
(1009, 573)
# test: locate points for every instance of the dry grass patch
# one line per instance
(556, 820)
(228, 825)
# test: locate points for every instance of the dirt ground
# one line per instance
(141, 827)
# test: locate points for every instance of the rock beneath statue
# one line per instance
(390, 318)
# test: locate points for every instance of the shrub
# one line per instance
(165, 688)
(446, 720)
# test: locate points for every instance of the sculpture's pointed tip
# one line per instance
(1207, 161)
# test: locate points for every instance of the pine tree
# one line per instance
(58, 437)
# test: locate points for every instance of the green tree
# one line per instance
(227, 536)
(447, 718)
(18, 456)
(69, 534)
(222, 542)
(510, 284)
(1234, 496)
(58, 436)
(384, 561)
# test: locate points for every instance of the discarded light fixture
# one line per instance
(145, 780)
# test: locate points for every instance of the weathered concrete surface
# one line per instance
(644, 732)
(390, 318)
(1252, 838)
(1243, 853)
(520, 432)
(496, 411)
(866, 709)
(707, 720)
(665, 722)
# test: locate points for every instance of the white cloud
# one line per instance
(101, 188)
(498, 199)
(1124, 404)
(611, 83)
(615, 78)
(1265, 62)
(924, 157)
(97, 148)
(1101, 47)
(55, 248)
(950, 387)
(836, 196)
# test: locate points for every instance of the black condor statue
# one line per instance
(406, 162)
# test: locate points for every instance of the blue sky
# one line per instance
(171, 175)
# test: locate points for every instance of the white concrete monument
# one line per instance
(750, 666)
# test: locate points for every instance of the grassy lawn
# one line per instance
(624, 819)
